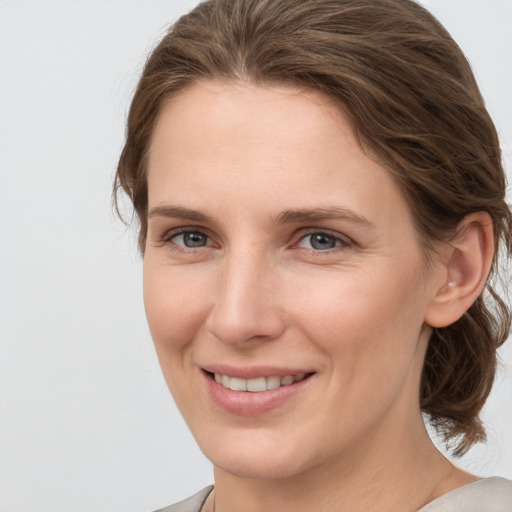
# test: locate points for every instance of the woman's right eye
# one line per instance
(190, 239)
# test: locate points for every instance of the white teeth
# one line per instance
(237, 384)
(287, 380)
(273, 382)
(258, 384)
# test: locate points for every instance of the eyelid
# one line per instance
(171, 233)
(344, 240)
(167, 239)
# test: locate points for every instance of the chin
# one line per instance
(253, 455)
(258, 466)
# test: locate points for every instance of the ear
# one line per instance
(463, 270)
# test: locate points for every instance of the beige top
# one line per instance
(486, 495)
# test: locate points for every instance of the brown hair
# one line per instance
(411, 98)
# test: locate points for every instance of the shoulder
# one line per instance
(486, 495)
(193, 504)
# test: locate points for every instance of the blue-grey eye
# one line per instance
(191, 239)
(319, 241)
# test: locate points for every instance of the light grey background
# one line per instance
(86, 421)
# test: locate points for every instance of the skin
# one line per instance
(357, 314)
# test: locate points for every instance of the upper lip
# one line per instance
(253, 372)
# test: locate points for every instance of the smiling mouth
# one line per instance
(258, 384)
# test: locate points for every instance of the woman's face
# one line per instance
(277, 251)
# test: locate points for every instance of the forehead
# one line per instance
(236, 127)
(218, 111)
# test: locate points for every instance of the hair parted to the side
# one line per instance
(411, 97)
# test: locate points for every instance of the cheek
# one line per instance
(175, 303)
(363, 322)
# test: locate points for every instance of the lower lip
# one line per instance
(247, 403)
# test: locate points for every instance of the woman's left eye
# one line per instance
(320, 241)
(190, 239)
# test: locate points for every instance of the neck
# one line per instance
(394, 473)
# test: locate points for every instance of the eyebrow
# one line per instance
(178, 212)
(319, 214)
(286, 217)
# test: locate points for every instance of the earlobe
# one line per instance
(465, 269)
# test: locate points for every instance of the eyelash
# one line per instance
(170, 235)
(341, 241)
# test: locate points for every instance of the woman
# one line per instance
(321, 205)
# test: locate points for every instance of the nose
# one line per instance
(246, 305)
